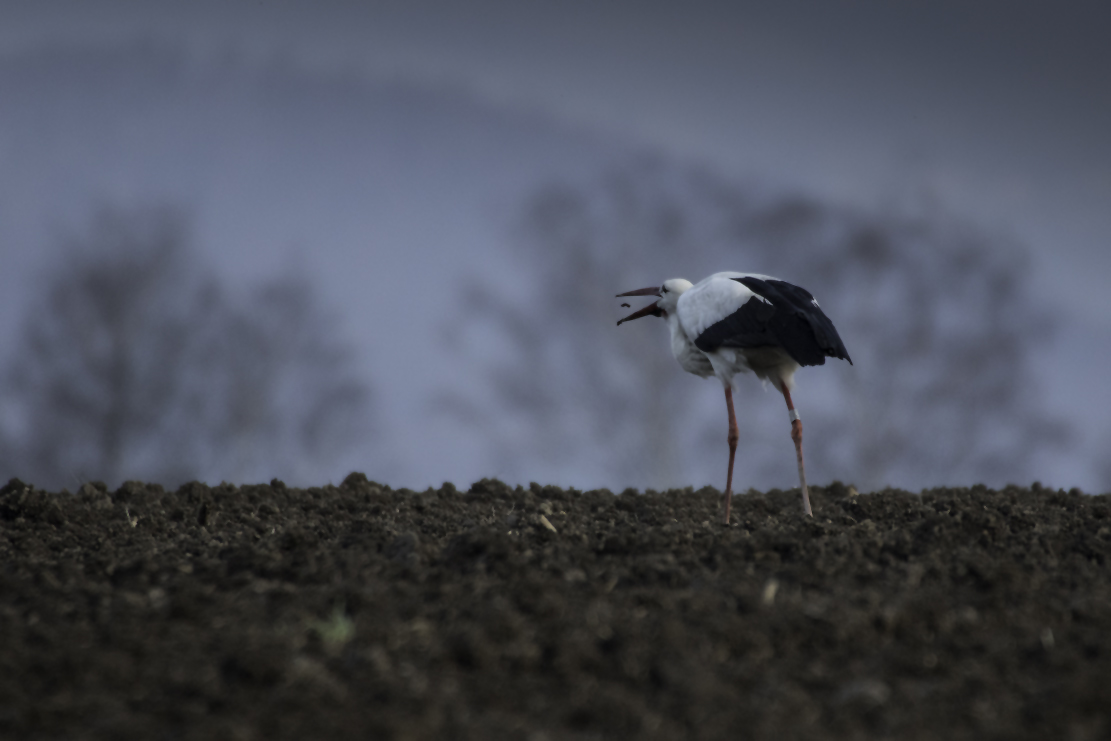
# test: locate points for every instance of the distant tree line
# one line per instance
(137, 362)
(939, 316)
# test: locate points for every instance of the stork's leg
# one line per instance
(796, 435)
(733, 436)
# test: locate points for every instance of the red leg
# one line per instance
(796, 435)
(733, 436)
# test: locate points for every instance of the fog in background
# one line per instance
(422, 170)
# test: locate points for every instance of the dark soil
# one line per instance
(262, 612)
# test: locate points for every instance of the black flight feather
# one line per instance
(789, 318)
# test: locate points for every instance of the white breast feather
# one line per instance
(711, 300)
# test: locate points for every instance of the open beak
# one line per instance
(652, 309)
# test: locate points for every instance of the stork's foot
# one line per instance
(806, 502)
(727, 502)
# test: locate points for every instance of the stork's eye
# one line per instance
(664, 289)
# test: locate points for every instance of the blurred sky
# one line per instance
(997, 110)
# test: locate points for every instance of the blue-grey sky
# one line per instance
(996, 110)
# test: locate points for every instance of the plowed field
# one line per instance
(362, 612)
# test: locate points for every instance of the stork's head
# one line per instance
(668, 293)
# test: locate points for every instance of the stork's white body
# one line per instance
(704, 304)
(732, 323)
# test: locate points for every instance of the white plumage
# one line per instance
(732, 323)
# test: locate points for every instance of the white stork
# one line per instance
(742, 322)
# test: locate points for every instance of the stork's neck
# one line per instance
(684, 351)
(677, 333)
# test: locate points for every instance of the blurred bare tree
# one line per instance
(938, 315)
(135, 363)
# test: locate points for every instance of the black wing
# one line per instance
(790, 319)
